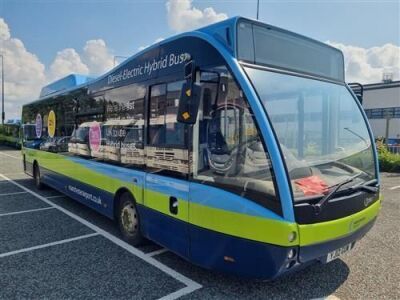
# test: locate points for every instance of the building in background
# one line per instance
(381, 102)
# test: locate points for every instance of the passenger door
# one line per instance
(167, 162)
(232, 182)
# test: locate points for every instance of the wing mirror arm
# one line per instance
(190, 96)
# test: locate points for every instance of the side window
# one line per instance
(164, 130)
(89, 116)
(167, 148)
(231, 152)
(157, 115)
(123, 131)
(174, 131)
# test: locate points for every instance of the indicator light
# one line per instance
(291, 253)
(229, 259)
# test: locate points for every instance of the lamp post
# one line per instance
(3, 114)
(258, 8)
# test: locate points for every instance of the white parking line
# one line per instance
(26, 211)
(395, 187)
(332, 297)
(191, 285)
(49, 244)
(11, 194)
(157, 252)
(16, 157)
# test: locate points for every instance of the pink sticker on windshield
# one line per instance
(95, 136)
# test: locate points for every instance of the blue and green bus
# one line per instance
(237, 146)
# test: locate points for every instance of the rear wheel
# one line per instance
(128, 220)
(36, 175)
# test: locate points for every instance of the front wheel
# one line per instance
(128, 220)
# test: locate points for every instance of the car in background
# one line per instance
(56, 144)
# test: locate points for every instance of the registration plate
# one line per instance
(338, 252)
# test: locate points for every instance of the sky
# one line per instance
(44, 40)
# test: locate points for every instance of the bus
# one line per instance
(237, 146)
(9, 134)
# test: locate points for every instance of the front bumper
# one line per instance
(320, 250)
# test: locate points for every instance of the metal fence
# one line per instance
(394, 148)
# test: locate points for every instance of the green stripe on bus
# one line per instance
(63, 166)
(325, 231)
(243, 226)
(160, 202)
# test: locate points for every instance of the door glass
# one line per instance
(230, 150)
(167, 147)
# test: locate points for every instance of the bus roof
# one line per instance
(66, 83)
(223, 32)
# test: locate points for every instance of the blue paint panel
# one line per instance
(251, 259)
(65, 83)
(217, 198)
(95, 198)
(168, 186)
(164, 230)
(208, 248)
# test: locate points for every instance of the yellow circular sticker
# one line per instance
(51, 124)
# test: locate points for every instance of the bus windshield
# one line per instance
(320, 128)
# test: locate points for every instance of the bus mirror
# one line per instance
(189, 103)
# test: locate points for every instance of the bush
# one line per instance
(388, 162)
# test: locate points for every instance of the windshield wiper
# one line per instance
(366, 186)
(318, 206)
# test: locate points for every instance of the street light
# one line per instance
(3, 114)
(258, 8)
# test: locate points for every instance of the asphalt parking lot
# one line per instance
(53, 247)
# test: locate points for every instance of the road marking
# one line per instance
(14, 173)
(332, 297)
(58, 196)
(10, 194)
(25, 211)
(49, 244)
(16, 157)
(157, 252)
(395, 187)
(191, 285)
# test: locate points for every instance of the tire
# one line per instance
(128, 220)
(36, 176)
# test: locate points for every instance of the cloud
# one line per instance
(67, 61)
(155, 42)
(183, 16)
(4, 30)
(24, 74)
(367, 65)
(97, 57)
